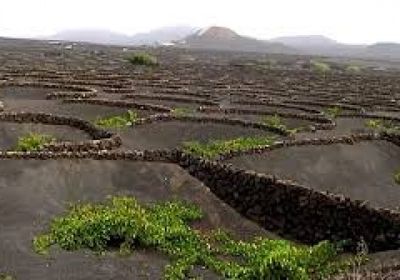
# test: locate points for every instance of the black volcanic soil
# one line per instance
(289, 122)
(31, 193)
(171, 134)
(34, 192)
(27, 93)
(362, 171)
(83, 111)
(171, 104)
(344, 126)
(10, 132)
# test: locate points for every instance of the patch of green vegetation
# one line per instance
(320, 67)
(120, 121)
(266, 64)
(353, 69)
(276, 122)
(164, 227)
(214, 148)
(143, 59)
(6, 277)
(383, 125)
(181, 112)
(397, 177)
(33, 142)
(333, 112)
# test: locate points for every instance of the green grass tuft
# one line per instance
(33, 142)
(214, 148)
(164, 227)
(143, 59)
(127, 119)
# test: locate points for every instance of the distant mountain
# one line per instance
(319, 45)
(162, 35)
(384, 50)
(306, 41)
(98, 36)
(221, 38)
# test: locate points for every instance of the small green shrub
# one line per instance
(181, 112)
(333, 112)
(143, 59)
(383, 125)
(320, 67)
(164, 227)
(33, 142)
(6, 277)
(353, 69)
(274, 121)
(215, 148)
(127, 119)
(397, 177)
(374, 124)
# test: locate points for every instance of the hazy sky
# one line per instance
(349, 21)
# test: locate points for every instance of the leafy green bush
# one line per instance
(353, 69)
(320, 67)
(333, 112)
(33, 142)
(6, 277)
(127, 119)
(383, 125)
(274, 121)
(144, 59)
(397, 177)
(181, 112)
(164, 227)
(375, 124)
(215, 148)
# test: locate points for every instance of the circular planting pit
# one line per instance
(172, 134)
(10, 133)
(24, 93)
(32, 193)
(172, 104)
(290, 123)
(363, 171)
(269, 108)
(84, 111)
(344, 126)
(92, 112)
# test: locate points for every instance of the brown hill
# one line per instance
(221, 38)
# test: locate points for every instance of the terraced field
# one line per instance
(280, 153)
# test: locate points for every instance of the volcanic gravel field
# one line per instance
(223, 96)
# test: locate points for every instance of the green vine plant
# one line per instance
(333, 112)
(120, 121)
(215, 148)
(143, 59)
(165, 227)
(382, 125)
(181, 112)
(33, 142)
(320, 67)
(276, 122)
(397, 177)
(6, 277)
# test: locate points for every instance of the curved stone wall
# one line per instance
(102, 140)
